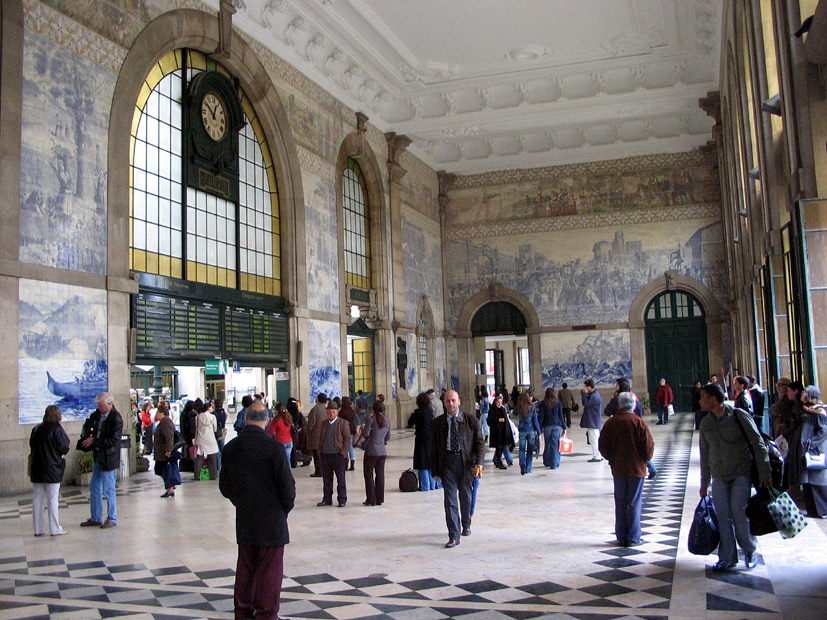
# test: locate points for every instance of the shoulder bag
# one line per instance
(814, 458)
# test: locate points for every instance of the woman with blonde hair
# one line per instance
(49, 445)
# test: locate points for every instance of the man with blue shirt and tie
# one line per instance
(457, 456)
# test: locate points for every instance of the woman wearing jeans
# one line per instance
(529, 428)
(553, 423)
(726, 459)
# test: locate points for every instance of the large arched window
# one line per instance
(181, 232)
(356, 227)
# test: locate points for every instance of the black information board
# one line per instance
(176, 328)
(255, 334)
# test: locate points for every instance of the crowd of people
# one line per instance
(449, 453)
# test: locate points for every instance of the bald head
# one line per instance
(257, 414)
(452, 402)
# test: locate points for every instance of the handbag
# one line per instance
(703, 535)
(760, 519)
(566, 445)
(786, 514)
(814, 458)
(514, 432)
(205, 473)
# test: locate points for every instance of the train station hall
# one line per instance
(210, 201)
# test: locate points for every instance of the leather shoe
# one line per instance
(451, 544)
(466, 531)
(90, 523)
(721, 566)
(315, 475)
(324, 503)
(341, 504)
(750, 560)
(368, 504)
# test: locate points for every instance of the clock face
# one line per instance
(214, 116)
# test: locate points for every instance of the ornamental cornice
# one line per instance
(592, 220)
(695, 157)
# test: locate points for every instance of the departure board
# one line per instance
(178, 328)
(255, 335)
(173, 328)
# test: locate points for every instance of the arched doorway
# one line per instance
(499, 332)
(676, 345)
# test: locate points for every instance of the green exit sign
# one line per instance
(216, 367)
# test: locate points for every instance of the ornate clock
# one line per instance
(214, 118)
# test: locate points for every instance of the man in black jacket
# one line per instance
(457, 455)
(102, 435)
(256, 478)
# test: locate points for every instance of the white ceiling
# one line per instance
(482, 85)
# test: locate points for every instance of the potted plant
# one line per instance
(86, 464)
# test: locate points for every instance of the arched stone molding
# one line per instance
(198, 30)
(465, 341)
(673, 281)
(376, 315)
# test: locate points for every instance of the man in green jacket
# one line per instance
(726, 459)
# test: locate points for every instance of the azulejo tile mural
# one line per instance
(422, 269)
(66, 102)
(62, 349)
(586, 276)
(322, 244)
(324, 356)
(573, 357)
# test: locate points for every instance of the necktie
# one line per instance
(454, 436)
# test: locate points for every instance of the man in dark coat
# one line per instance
(101, 435)
(256, 478)
(627, 444)
(590, 420)
(457, 456)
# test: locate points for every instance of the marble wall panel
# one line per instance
(324, 358)
(573, 357)
(62, 349)
(321, 244)
(66, 101)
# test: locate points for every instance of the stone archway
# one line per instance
(671, 281)
(465, 341)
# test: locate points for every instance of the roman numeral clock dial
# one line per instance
(214, 116)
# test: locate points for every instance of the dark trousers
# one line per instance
(258, 577)
(212, 463)
(317, 462)
(333, 463)
(149, 439)
(374, 487)
(628, 500)
(567, 414)
(453, 484)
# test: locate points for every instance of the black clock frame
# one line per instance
(212, 166)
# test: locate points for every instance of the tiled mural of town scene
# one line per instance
(322, 246)
(324, 358)
(588, 275)
(589, 188)
(422, 269)
(440, 364)
(62, 349)
(573, 357)
(66, 101)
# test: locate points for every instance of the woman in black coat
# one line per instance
(49, 444)
(502, 439)
(421, 420)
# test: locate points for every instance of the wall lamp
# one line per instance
(743, 213)
(755, 173)
(772, 105)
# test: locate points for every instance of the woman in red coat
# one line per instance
(664, 398)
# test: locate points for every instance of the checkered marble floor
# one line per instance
(605, 582)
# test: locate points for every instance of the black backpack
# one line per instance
(408, 481)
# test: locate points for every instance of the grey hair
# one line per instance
(813, 394)
(256, 412)
(104, 398)
(626, 401)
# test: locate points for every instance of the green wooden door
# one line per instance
(676, 348)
